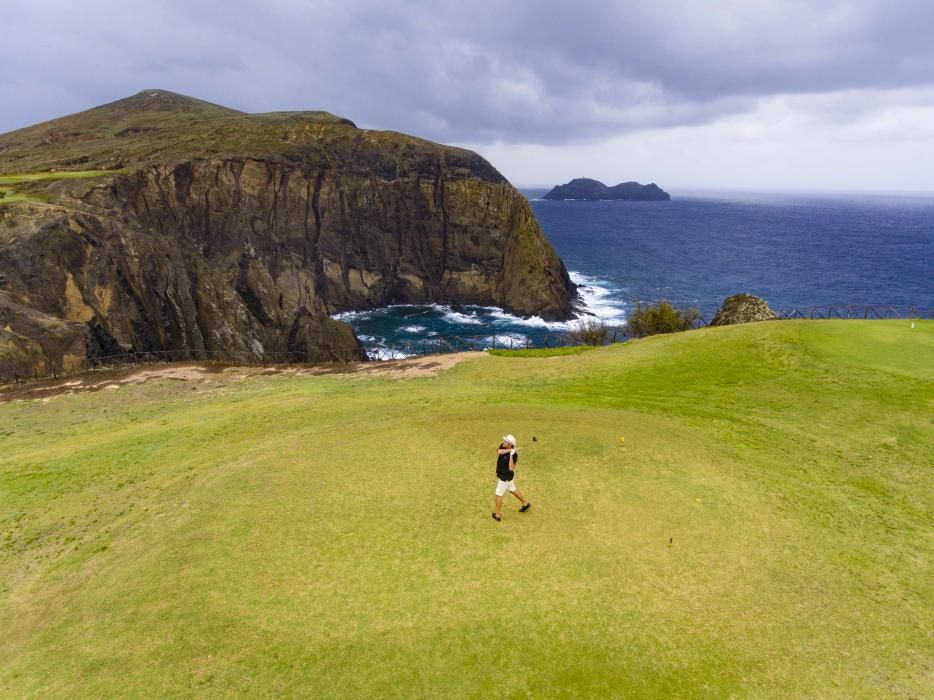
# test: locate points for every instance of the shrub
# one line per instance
(660, 318)
(589, 331)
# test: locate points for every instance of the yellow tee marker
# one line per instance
(622, 441)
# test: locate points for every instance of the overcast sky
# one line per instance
(787, 94)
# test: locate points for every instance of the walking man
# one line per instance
(508, 458)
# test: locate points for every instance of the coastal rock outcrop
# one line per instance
(585, 188)
(742, 308)
(202, 230)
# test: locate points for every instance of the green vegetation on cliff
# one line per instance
(11, 190)
(19, 178)
(153, 126)
(766, 531)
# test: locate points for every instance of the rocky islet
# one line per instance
(588, 189)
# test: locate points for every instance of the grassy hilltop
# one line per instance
(765, 531)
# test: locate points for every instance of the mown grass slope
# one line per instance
(766, 531)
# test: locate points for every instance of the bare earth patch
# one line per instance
(112, 379)
(180, 372)
(395, 369)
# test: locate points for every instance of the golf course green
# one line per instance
(766, 530)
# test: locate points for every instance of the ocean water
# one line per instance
(699, 248)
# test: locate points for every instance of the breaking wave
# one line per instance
(411, 329)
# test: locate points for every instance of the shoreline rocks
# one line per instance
(742, 308)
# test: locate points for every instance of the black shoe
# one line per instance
(496, 517)
(525, 507)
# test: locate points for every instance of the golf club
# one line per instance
(534, 439)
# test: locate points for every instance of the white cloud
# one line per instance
(585, 84)
(870, 140)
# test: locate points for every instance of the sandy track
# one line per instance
(198, 373)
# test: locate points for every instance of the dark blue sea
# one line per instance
(791, 249)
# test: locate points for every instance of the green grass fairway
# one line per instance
(542, 352)
(766, 531)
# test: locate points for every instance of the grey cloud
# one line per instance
(520, 72)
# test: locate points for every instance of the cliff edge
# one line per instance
(161, 222)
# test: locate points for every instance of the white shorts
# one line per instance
(503, 486)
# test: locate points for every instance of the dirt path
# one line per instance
(199, 373)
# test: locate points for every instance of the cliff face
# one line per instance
(244, 237)
(356, 240)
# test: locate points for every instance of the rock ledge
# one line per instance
(742, 308)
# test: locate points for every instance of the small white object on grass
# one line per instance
(912, 324)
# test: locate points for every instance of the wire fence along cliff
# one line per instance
(428, 346)
(859, 312)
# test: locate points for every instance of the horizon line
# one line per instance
(924, 193)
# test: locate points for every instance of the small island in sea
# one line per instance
(585, 188)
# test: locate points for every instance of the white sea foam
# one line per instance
(368, 314)
(452, 316)
(505, 340)
(350, 316)
(383, 353)
(598, 300)
(533, 321)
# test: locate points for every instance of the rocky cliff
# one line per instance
(192, 227)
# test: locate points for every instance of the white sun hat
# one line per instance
(511, 439)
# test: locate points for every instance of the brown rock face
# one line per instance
(27, 335)
(742, 308)
(190, 248)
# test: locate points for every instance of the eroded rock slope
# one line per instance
(221, 233)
